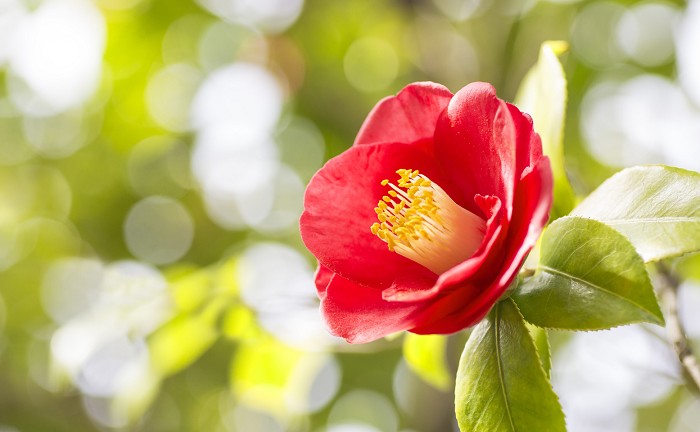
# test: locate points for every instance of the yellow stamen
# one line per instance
(418, 220)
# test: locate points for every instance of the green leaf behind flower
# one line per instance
(542, 94)
(589, 277)
(501, 386)
(656, 207)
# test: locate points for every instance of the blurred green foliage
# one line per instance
(99, 332)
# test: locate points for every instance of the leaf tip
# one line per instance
(557, 46)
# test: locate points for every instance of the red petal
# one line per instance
(475, 141)
(529, 144)
(409, 116)
(448, 317)
(358, 314)
(533, 202)
(322, 278)
(488, 255)
(489, 151)
(339, 211)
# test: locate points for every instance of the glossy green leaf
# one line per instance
(541, 340)
(501, 386)
(425, 355)
(589, 277)
(656, 207)
(542, 94)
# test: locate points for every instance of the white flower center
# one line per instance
(418, 220)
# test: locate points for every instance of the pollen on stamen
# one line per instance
(418, 220)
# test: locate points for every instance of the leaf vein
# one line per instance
(501, 375)
(593, 285)
(670, 219)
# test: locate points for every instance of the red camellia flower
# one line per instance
(425, 221)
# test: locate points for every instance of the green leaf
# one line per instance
(501, 386)
(656, 207)
(541, 340)
(542, 94)
(425, 355)
(589, 277)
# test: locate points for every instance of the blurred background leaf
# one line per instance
(153, 157)
(425, 355)
(542, 94)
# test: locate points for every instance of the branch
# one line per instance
(676, 332)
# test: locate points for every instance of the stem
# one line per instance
(676, 332)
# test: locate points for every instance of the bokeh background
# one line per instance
(153, 158)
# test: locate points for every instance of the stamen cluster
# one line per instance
(418, 220)
(408, 211)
